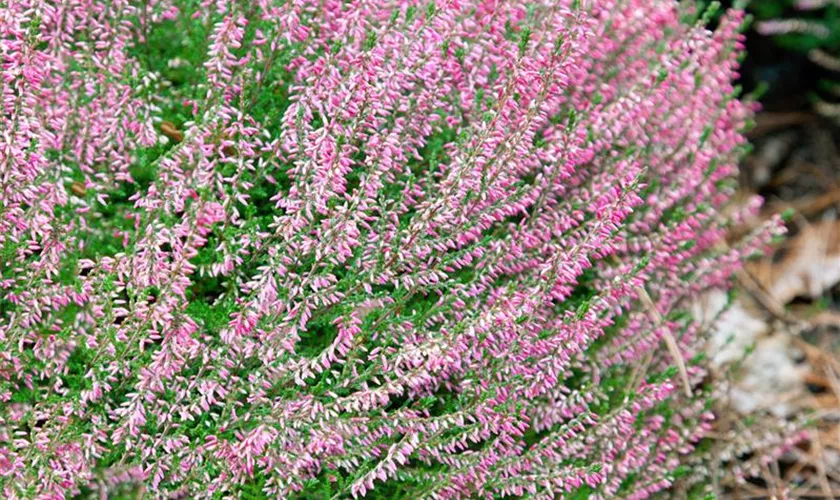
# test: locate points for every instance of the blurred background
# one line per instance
(778, 346)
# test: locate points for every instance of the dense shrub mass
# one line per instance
(323, 248)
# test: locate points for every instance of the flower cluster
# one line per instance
(327, 248)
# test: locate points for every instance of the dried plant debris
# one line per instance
(777, 344)
(805, 266)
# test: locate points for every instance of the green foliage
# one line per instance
(828, 17)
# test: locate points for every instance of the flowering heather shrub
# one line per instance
(322, 249)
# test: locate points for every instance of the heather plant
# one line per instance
(331, 249)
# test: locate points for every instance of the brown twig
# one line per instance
(766, 123)
(670, 341)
